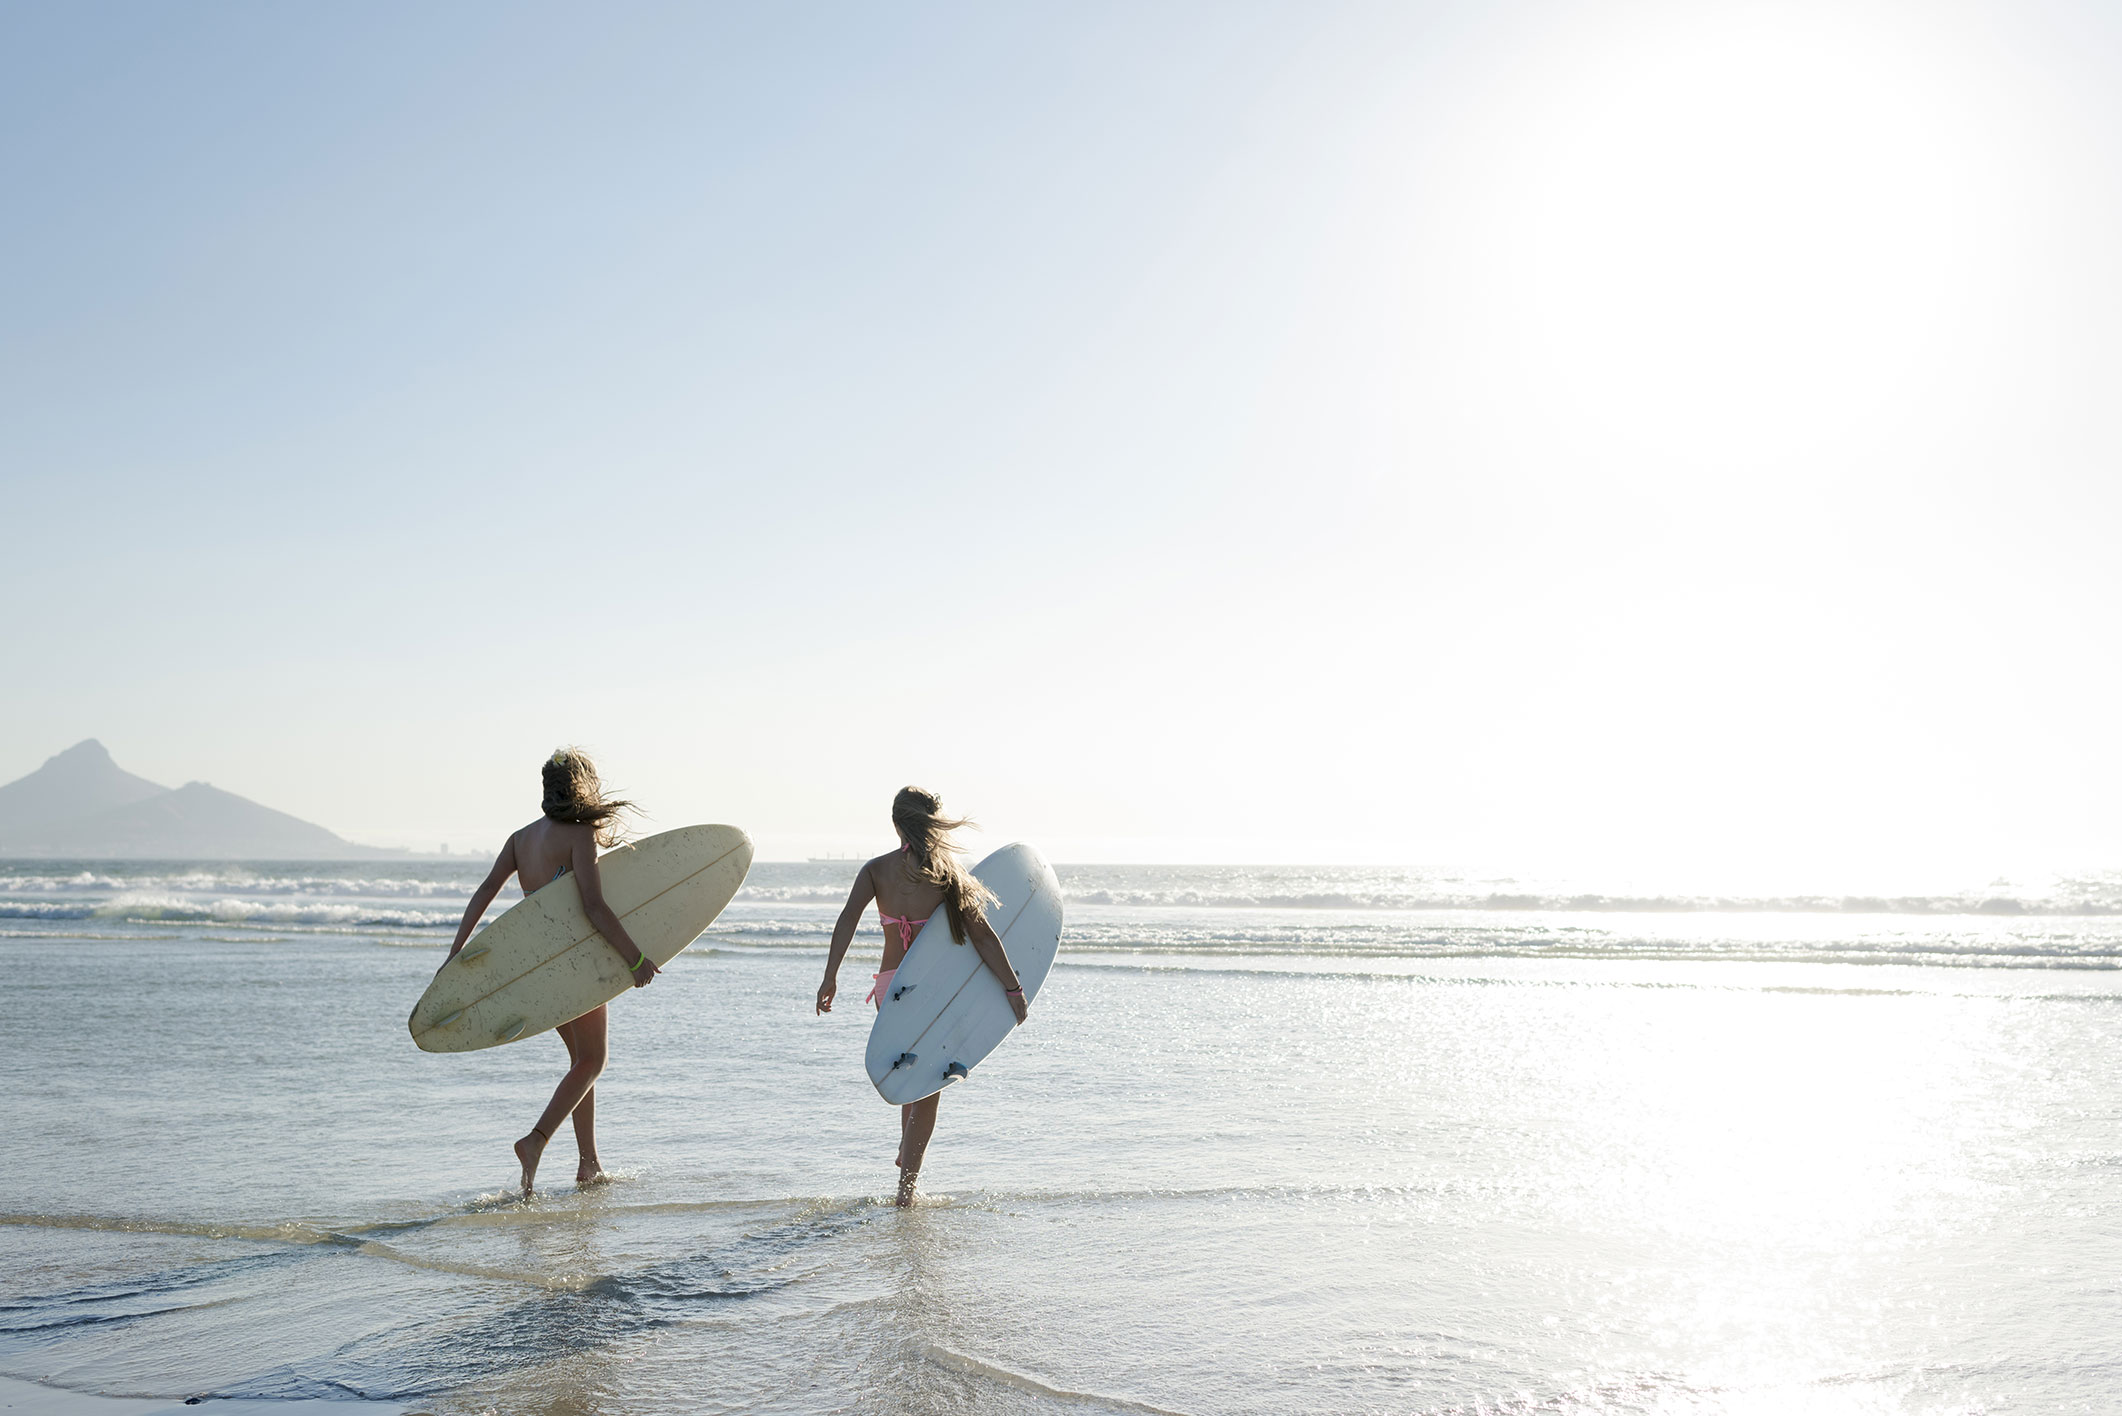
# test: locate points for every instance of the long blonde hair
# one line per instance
(573, 793)
(919, 816)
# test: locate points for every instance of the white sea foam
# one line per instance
(137, 908)
(1321, 911)
(318, 885)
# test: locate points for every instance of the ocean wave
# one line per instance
(1201, 911)
(1336, 950)
(727, 928)
(997, 1374)
(245, 881)
(1348, 890)
(1398, 964)
(167, 909)
(1379, 900)
(792, 894)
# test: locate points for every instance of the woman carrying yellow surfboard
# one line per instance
(577, 819)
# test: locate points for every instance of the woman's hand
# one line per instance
(858, 897)
(644, 972)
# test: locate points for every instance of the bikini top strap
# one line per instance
(906, 926)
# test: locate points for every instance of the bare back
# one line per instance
(902, 894)
(546, 849)
(907, 901)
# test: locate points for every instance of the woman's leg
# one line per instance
(587, 1168)
(917, 1122)
(586, 1050)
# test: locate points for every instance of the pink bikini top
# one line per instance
(906, 927)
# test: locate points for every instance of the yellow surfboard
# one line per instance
(541, 963)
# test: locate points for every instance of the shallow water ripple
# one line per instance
(1244, 1160)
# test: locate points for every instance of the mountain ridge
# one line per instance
(82, 804)
(81, 780)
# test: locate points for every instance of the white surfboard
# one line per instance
(945, 1011)
(541, 963)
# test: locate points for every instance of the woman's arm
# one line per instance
(997, 960)
(583, 861)
(858, 899)
(504, 866)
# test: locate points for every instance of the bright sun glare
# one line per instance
(1742, 230)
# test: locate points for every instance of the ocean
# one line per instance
(1275, 1140)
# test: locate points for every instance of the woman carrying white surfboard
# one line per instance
(909, 885)
(577, 819)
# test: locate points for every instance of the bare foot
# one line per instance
(528, 1150)
(589, 1172)
(906, 1188)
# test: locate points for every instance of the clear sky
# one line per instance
(1639, 432)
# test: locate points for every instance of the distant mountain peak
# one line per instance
(87, 757)
(81, 803)
(78, 782)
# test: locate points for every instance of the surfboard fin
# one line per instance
(906, 1059)
(957, 1069)
(467, 955)
(513, 1031)
(446, 1019)
(905, 989)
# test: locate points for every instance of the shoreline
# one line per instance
(22, 1397)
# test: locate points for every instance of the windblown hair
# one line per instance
(919, 816)
(573, 793)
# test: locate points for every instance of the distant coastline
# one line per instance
(81, 805)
